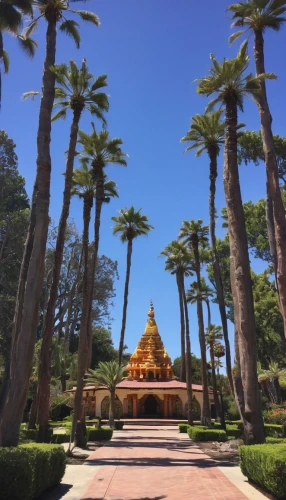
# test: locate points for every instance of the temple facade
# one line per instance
(150, 390)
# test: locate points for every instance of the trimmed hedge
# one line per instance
(204, 434)
(60, 438)
(29, 434)
(265, 465)
(234, 431)
(272, 440)
(99, 434)
(119, 425)
(30, 469)
(273, 430)
(183, 428)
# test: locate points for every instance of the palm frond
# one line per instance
(90, 17)
(70, 28)
(30, 95)
(6, 61)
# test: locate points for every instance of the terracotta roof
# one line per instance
(137, 385)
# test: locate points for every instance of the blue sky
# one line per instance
(152, 52)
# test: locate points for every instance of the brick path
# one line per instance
(155, 464)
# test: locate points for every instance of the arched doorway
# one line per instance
(150, 406)
(151, 375)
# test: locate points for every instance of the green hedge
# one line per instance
(119, 424)
(99, 434)
(29, 470)
(273, 430)
(183, 428)
(234, 431)
(28, 434)
(265, 465)
(204, 434)
(273, 440)
(60, 438)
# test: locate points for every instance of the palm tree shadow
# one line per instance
(141, 498)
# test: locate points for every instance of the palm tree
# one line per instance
(11, 20)
(98, 152)
(263, 379)
(257, 16)
(179, 262)
(32, 267)
(194, 235)
(230, 85)
(206, 133)
(213, 334)
(274, 373)
(129, 224)
(107, 374)
(78, 91)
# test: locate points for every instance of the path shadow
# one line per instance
(158, 462)
(141, 498)
(56, 493)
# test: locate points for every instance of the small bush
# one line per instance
(183, 428)
(217, 425)
(60, 438)
(28, 434)
(273, 430)
(29, 470)
(103, 434)
(273, 440)
(205, 434)
(119, 424)
(265, 465)
(234, 431)
(277, 416)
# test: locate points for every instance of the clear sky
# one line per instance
(152, 52)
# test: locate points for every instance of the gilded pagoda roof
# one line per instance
(150, 358)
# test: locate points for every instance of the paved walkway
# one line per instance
(155, 464)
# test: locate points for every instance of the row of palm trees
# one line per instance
(229, 83)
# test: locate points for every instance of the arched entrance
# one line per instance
(150, 406)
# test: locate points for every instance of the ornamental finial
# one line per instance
(151, 313)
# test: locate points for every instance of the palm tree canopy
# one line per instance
(194, 233)
(83, 182)
(99, 150)
(57, 10)
(130, 224)
(11, 14)
(206, 132)
(257, 15)
(108, 374)
(78, 90)
(229, 82)
(178, 258)
(213, 334)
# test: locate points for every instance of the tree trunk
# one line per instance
(206, 415)
(182, 317)
(128, 267)
(33, 409)
(46, 348)
(271, 231)
(214, 383)
(216, 263)
(99, 200)
(241, 282)
(278, 390)
(188, 356)
(112, 409)
(272, 174)
(23, 340)
(73, 295)
(266, 390)
(77, 435)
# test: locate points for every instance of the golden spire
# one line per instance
(151, 313)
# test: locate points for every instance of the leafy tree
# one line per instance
(229, 83)
(194, 236)
(256, 17)
(108, 374)
(196, 364)
(206, 133)
(213, 335)
(179, 262)
(129, 224)
(78, 91)
(14, 215)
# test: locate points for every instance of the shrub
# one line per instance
(275, 417)
(103, 434)
(273, 430)
(204, 434)
(234, 431)
(273, 440)
(265, 465)
(183, 428)
(217, 425)
(29, 434)
(58, 438)
(30, 469)
(119, 425)
(90, 423)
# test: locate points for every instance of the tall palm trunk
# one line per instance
(24, 333)
(188, 356)
(206, 415)
(99, 200)
(241, 280)
(124, 315)
(216, 263)
(278, 390)
(33, 409)
(272, 175)
(78, 426)
(218, 407)
(73, 295)
(112, 409)
(271, 231)
(182, 319)
(46, 348)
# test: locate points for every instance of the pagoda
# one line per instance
(150, 360)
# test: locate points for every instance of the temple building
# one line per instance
(150, 390)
